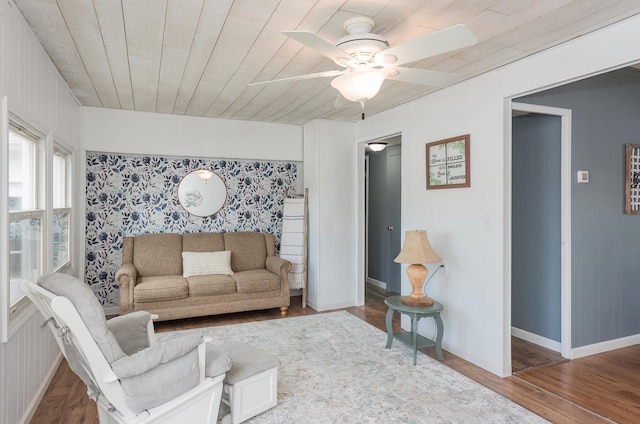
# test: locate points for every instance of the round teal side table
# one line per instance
(416, 313)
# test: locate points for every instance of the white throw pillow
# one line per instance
(206, 263)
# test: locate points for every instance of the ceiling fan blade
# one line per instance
(446, 40)
(302, 77)
(424, 77)
(320, 45)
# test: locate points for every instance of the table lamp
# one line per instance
(416, 251)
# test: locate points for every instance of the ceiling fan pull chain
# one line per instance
(361, 101)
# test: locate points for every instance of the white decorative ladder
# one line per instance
(293, 245)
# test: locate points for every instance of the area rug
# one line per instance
(335, 369)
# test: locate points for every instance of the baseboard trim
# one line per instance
(537, 339)
(35, 402)
(593, 349)
(377, 283)
(329, 307)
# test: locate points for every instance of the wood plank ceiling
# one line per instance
(196, 57)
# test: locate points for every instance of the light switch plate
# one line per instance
(583, 176)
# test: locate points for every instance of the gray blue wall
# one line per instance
(605, 262)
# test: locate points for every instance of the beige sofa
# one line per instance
(151, 276)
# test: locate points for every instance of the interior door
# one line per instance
(394, 209)
(383, 218)
(536, 225)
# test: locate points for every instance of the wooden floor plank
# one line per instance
(607, 384)
(597, 389)
(526, 356)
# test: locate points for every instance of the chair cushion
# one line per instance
(161, 384)
(256, 280)
(89, 309)
(161, 353)
(246, 360)
(131, 331)
(248, 250)
(216, 362)
(158, 254)
(160, 288)
(209, 285)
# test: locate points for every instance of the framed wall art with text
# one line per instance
(448, 163)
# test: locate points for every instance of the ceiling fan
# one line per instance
(368, 60)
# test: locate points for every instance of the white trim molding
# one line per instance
(377, 283)
(536, 339)
(565, 183)
(593, 349)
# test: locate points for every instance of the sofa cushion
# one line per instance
(207, 285)
(205, 263)
(158, 254)
(161, 288)
(248, 250)
(202, 242)
(256, 280)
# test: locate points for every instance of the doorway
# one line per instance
(539, 235)
(383, 218)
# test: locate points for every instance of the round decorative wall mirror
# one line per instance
(202, 192)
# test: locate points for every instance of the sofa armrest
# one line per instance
(126, 278)
(279, 266)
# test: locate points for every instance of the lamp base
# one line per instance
(417, 274)
(416, 301)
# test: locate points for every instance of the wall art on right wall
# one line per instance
(632, 179)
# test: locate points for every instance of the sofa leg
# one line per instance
(283, 310)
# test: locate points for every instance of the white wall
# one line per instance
(468, 227)
(120, 131)
(329, 170)
(38, 96)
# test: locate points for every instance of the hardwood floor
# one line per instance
(526, 356)
(607, 384)
(601, 388)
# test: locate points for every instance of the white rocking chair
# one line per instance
(132, 378)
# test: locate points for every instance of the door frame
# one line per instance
(360, 218)
(565, 221)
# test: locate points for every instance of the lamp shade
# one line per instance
(359, 85)
(416, 249)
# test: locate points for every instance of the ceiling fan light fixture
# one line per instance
(360, 85)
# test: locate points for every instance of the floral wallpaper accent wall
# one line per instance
(129, 195)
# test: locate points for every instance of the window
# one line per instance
(26, 219)
(61, 181)
(36, 209)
